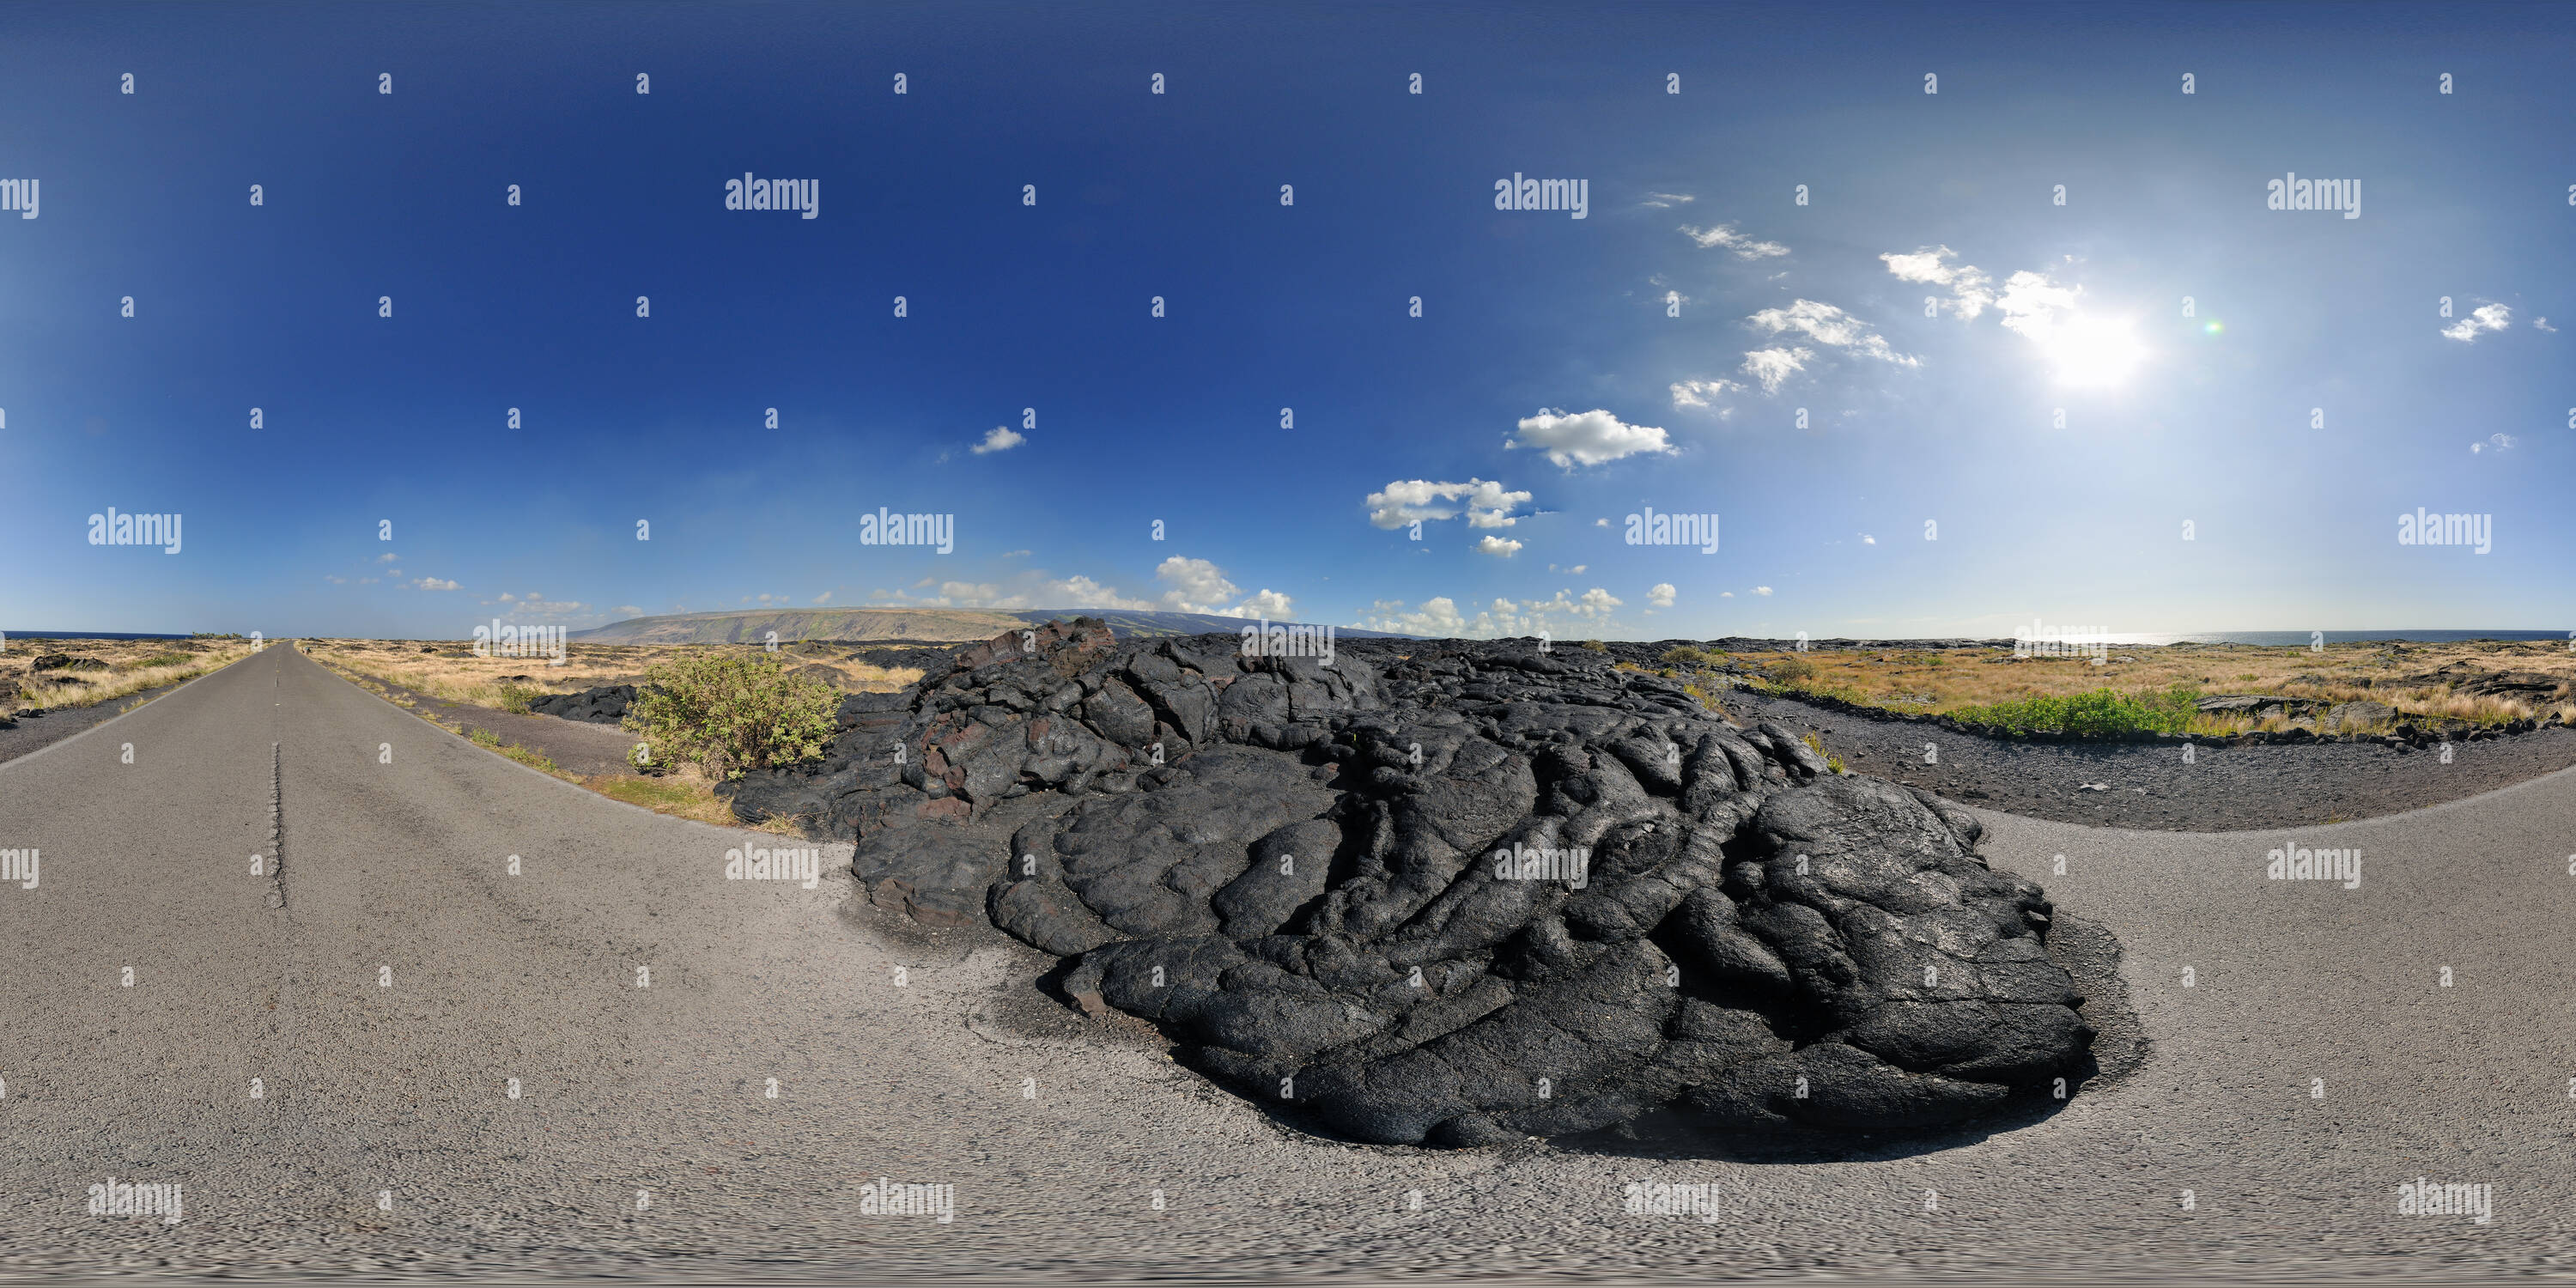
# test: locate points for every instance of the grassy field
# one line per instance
(681, 791)
(105, 670)
(2154, 688)
(451, 671)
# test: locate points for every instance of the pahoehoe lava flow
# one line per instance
(1453, 893)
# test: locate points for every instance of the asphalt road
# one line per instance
(408, 976)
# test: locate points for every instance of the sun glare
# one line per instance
(2094, 351)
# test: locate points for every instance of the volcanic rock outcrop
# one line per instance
(605, 704)
(1455, 892)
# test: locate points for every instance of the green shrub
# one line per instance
(732, 713)
(1792, 670)
(516, 697)
(1686, 655)
(2102, 711)
(1596, 646)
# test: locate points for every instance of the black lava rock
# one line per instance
(1452, 892)
(605, 705)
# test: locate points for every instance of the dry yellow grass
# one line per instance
(682, 792)
(451, 671)
(130, 667)
(1949, 680)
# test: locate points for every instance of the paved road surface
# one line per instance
(1056, 1135)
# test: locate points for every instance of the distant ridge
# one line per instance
(925, 624)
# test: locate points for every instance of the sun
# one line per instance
(2094, 352)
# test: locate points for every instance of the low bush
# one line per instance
(732, 713)
(2102, 711)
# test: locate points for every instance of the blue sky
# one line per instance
(1541, 336)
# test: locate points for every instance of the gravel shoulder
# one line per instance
(2149, 786)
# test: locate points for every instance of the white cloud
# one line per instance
(2500, 442)
(1828, 325)
(1773, 366)
(1083, 592)
(1724, 237)
(1868, 540)
(1661, 594)
(508, 598)
(1493, 545)
(433, 583)
(2486, 317)
(1001, 438)
(387, 557)
(1486, 505)
(824, 598)
(1070, 592)
(1762, 590)
(2542, 324)
(1265, 603)
(1666, 200)
(1437, 616)
(1587, 438)
(554, 608)
(1726, 594)
(1600, 523)
(1699, 393)
(1440, 616)
(2030, 303)
(336, 581)
(1195, 585)
(627, 610)
(1199, 586)
(366, 581)
(1970, 289)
